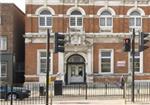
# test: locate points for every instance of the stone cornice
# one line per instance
(89, 2)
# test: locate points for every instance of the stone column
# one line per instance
(90, 65)
(61, 66)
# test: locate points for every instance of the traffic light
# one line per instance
(126, 45)
(143, 41)
(59, 42)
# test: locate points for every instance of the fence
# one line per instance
(141, 92)
(85, 91)
(93, 89)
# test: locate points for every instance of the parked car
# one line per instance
(17, 93)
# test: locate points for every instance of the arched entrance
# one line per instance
(75, 71)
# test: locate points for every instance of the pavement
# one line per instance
(80, 102)
(103, 100)
(96, 102)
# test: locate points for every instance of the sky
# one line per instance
(19, 3)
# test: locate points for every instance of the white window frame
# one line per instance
(112, 61)
(3, 43)
(76, 21)
(130, 63)
(106, 27)
(0, 20)
(38, 62)
(45, 20)
(3, 64)
(135, 17)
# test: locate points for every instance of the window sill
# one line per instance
(41, 27)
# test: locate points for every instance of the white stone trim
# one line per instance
(141, 62)
(75, 8)
(30, 76)
(90, 62)
(107, 9)
(90, 16)
(61, 68)
(142, 81)
(98, 2)
(37, 12)
(35, 33)
(136, 9)
(79, 53)
(29, 34)
(86, 16)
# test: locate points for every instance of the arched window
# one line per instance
(45, 18)
(76, 19)
(106, 21)
(135, 19)
(76, 59)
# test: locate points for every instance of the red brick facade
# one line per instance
(12, 27)
(114, 40)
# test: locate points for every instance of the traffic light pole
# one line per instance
(47, 72)
(133, 60)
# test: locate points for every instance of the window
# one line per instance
(76, 59)
(0, 20)
(76, 19)
(137, 62)
(3, 43)
(43, 62)
(3, 72)
(106, 21)
(106, 61)
(135, 20)
(45, 19)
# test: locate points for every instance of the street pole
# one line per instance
(47, 73)
(11, 99)
(133, 60)
(12, 82)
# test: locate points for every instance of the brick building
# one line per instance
(94, 31)
(12, 28)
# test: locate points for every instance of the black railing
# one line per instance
(141, 92)
(37, 93)
(93, 89)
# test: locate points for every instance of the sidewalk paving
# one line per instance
(85, 102)
(77, 101)
(96, 102)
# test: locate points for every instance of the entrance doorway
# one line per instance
(75, 72)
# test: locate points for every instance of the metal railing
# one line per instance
(141, 92)
(92, 89)
(84, 91)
